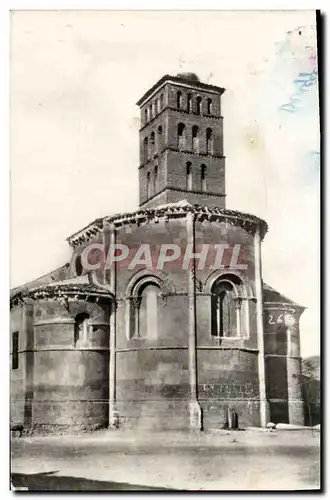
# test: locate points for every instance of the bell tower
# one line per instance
(181, 143)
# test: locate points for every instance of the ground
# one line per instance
(123, 460)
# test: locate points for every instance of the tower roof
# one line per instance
(190, 79)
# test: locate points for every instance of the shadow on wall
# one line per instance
(311, 397)
(46, 481)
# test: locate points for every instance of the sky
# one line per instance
(75, 77)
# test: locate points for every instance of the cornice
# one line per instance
(249, 222)
(182, 111)
(62, 292)
(181, 190)
(181, 151)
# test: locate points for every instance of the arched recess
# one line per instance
(155, 179)
(209, 106)
(188, 176)
(148, 185)
(199, 105)
(78, 266)
(203, 178)
(159, 139)
(179, 99)
(145, 150)
(142, 297)
(229, 305)
(209, 141)
(195, 139)
(81, 328)
(242, 285)
(152, 144)
(189, 103)
(181, 136)
(159, 278)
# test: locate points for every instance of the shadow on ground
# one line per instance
(46, 481)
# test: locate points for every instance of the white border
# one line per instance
(5, 6)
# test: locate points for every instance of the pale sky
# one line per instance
(75, 79)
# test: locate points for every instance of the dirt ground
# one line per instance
(123, 460)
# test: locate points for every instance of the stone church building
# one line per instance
(170, 348)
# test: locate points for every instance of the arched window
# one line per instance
(148, 185)
(152, 144)
(195, 139)
(145, 150)
(199, 105)
(188, 176)
(209, 141)
(161, 101)
(155, 179)
(209, 106)
(226, 308)
(81, 327)
(15, 350)
(179, 100)
(150, 112)
(145, 312)
(146, 115)
(78, 266)
(203, 178)
(281, 339)
(181, 136)
(160, 138)
(189, 103)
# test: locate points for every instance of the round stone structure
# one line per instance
(172, 361)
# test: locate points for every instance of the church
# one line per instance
(176, 347)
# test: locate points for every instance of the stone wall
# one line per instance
(17, 376)
(152, 377)
(283, 363)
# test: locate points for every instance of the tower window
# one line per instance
(155, 178)
(15, 348)
(146, 115)
(78, 266)
(81, 327)
(148, 185)
(188, 176)
(160, 138)
(161, 101)
(179, 100)
(209, 106)
(203, 178)
(145, 150)
(152, 143)
(195, 139)
(199, 105)
(209, 141)
(181, 136)
(189, 103)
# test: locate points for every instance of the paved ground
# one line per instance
(122, 460)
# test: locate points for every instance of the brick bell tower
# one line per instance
(181, 143)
